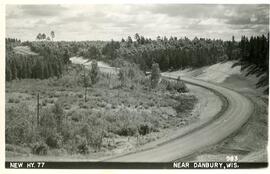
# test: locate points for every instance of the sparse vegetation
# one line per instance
(69, 123)
(40, 148)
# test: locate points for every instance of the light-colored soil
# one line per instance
(216, 73)
(81, 60)
(249, 144)
(104, 67)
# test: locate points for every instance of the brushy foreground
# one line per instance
(71, 122)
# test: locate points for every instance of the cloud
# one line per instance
(104, 22)
(186, 10)
(238, 14)
(42, 10)
(249, 14)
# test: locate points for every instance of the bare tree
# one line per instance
(52, 35)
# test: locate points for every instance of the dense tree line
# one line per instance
(30, 66)
(50, 62)
(173, 53)
(170, 53)
(51, 59)
(87, 49)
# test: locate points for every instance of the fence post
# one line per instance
(38, 109)
(85, 93)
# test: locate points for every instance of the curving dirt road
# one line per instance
(236, 114)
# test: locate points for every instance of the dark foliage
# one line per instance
(170, 53)
(254, 57)
(40, 148)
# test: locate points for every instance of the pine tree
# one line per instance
(94, 73)
(155, 75)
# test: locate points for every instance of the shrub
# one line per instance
(67, 132)
(180, 86)
(83, 148)
(78, 115)
(96, 138)
(122, 76)
(44, 102)
(19, 125)
(13, 100)
(84, 78)
(40, 148)
(95, 128)
(82, 145)
(58, 112)
(80, 95)
(145, 128)
(185, 104)
(10, 100)
(83, 105)
(88, 125)
(129, 130)
(67, 106)
(47, 123)
(54, 140)
(170, 86)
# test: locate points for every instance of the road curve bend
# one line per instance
(237, 113)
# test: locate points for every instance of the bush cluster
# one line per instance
(40, 148)
(177, 85)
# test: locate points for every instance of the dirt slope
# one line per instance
(250, 142)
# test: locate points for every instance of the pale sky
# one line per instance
(116, 21)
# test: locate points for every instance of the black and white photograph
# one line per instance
(136, 86)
